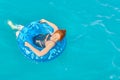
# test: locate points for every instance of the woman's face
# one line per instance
(55, 37)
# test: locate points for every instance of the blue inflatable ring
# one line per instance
(33, 29)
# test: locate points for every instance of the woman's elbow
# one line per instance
(41, 54)
(55, 29)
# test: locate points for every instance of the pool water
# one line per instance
(93, 39)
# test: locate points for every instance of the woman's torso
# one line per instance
(42, 40)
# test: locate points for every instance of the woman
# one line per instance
(47, 43)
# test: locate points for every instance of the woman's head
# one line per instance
(58, 35)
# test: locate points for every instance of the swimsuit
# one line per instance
(40, 39)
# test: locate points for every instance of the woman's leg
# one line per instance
(15, 27)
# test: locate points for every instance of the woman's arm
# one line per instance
(36, 51)
(50, 23)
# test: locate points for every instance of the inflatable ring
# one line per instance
(33, 29)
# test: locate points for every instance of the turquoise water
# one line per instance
(93, 40)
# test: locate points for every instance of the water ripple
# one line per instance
(106, 17)
(114, 45)
(109, 6)
(100, 22)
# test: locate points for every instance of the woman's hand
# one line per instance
(27, 44)
(43, 20)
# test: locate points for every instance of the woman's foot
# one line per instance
(11, 24)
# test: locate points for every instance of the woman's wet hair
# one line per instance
(62, 33)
